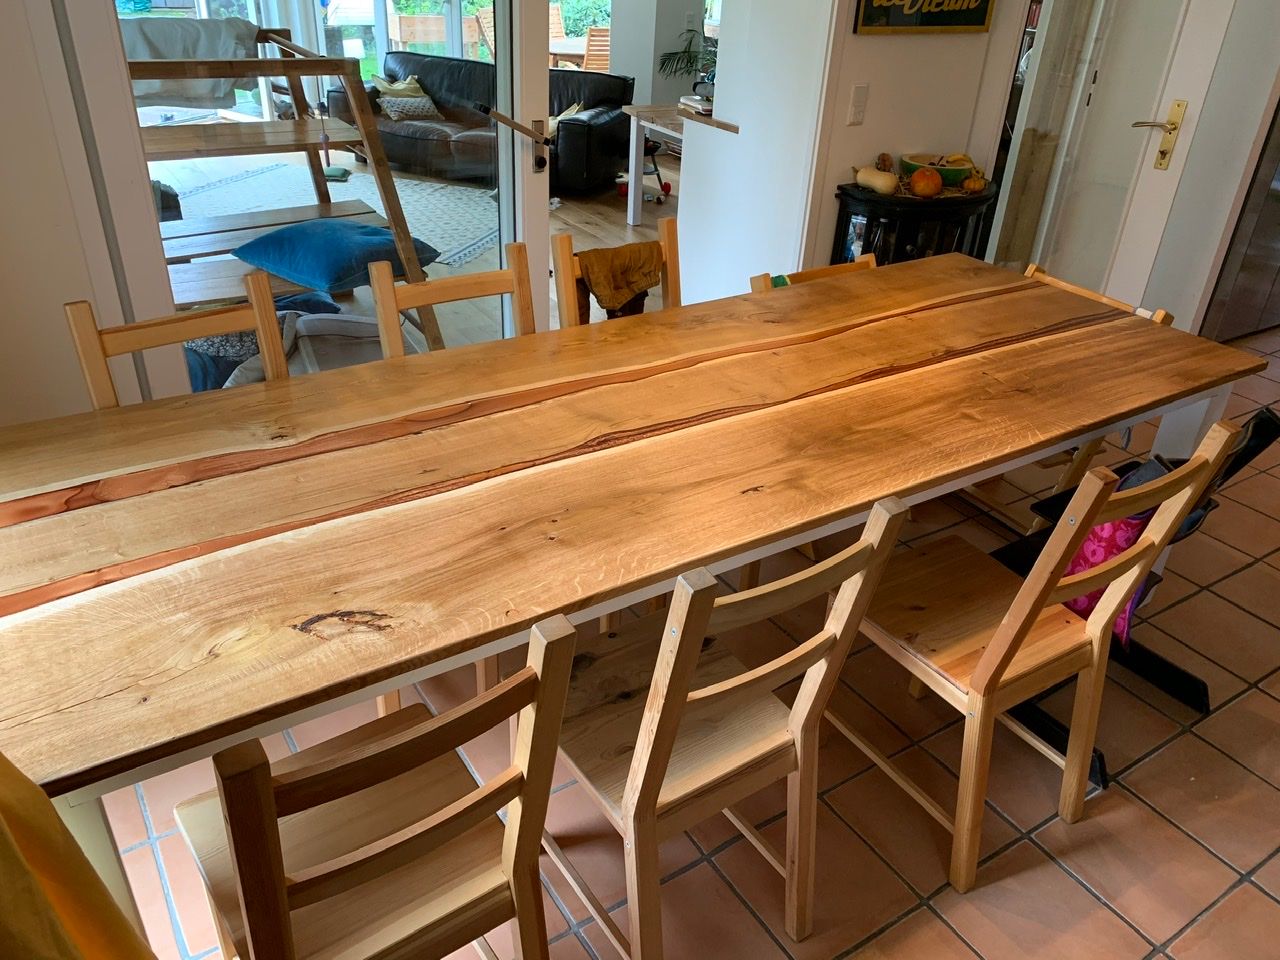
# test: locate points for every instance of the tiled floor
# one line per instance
(1179, 859)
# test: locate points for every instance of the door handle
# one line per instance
(1169, 127)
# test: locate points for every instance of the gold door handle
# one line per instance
(1169, 127)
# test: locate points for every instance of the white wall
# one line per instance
(51, 243)
(643, 30)
(929, 93)
(744, 198)
(1220, 163)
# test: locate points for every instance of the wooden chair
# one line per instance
(569, 270)
(764, 281)
(984, 639)
(597, 55)
(1075, 463)
(94, 346)
(657, 764)
(555, 20)
(390, 299)
(379, 843)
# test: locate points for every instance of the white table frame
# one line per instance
(1183, 424)
(635, 165)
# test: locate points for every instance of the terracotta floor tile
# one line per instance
(853, 711)
(901, 830)
(1204, 560)
(189, 900)
(856, 892)
(1268, 459)
(125, 816)
(702, 919)
(922, 936)
(1272, 685)
(501, 938)
(1022, 784)
(1127, 727)
(1223, 685)
(1139, 863)
(1257, 589)
(1171, 590)
(1249, 730)
(1258, 389)
(1034, 478)
(330, 725)
(930, 517)
(166, 791)
(974, 531)
(1245, 924)
(1273, 560)
(1026, 908)
(883, 683)
(1243, 528)
(1238, 407)
(144, 880)
(1226, 634)
(1261, 492)
(1227, 808)
(1268, 876)
(595, 848)
(1273, 368)
(445, 691)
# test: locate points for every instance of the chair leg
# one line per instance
(487, 674)
(802, 837)
(1084, 730)
(530, 934)
(611, 622)
(644, 894)
(975, 762)
(749, 575)
(916, 688)
(388, 703)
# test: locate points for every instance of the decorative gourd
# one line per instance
(878, 180)
(926, 182)
(884, 162)
(974, 184)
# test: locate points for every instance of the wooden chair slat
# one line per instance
(1095, 578)
(360, 767)
(568, 270)
(767, 677)
(336, 876)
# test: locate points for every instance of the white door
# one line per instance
(1112, 193)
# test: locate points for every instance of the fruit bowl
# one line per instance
(954, 169)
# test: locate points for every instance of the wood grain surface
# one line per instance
(230, 559)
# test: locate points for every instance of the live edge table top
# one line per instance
(179, 571)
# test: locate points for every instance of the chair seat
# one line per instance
(942, 602)
(607, 694)
(398, 913)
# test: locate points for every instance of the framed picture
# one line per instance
(923, 16)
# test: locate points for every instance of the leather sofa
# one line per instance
(590, 147)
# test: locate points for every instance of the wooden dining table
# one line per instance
(181, 574)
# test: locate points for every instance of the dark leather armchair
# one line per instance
(590, 147)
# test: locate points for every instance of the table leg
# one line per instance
(87, 822)
(635, 173)
(1182, 430)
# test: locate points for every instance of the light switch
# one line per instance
(858, 104)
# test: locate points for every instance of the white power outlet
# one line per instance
(858, 104)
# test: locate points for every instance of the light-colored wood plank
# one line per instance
(179, 141)
(174, 230)
(182, 249)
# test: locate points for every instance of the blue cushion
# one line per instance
(329, 255)
(308, 302)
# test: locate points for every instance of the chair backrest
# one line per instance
(597, 55)
(390, 299)
(555, 16)
(253, 798)
(484, 20)
(569, 271)
(94, 346)
(1096, 501)
(764, 281)
(1162, 317)
(697, 612)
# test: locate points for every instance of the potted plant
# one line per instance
(696, 58)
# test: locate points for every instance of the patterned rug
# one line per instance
(461, 222)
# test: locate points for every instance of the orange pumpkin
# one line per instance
(926, 182)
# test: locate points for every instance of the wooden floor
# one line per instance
(598, 220)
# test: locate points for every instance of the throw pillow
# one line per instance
(399, 88)
(328, 255)
(410, 108)
(554, 122)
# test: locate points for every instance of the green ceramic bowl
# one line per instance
(951, 176)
